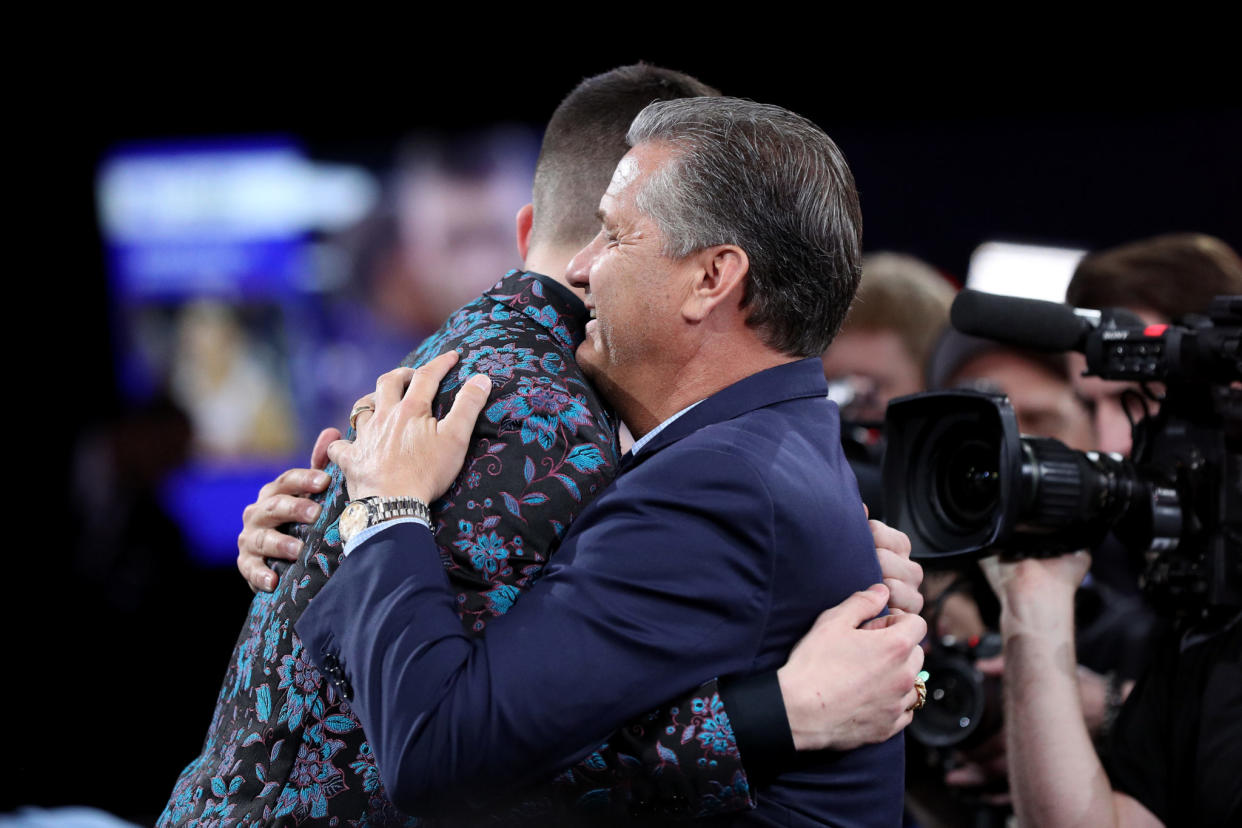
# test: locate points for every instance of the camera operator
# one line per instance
(1039, 389)
(961, 607)
(1177, 744)
(1160, 279)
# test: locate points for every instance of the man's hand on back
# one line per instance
(284, 500)
(850, 680)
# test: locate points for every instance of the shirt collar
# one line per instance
(650, 435)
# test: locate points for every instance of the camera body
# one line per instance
(960, 478)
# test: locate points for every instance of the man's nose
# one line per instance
(578, 271)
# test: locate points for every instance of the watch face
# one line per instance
(353, 520)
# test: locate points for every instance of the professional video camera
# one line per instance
(961, 481)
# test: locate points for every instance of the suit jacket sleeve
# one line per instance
(663, 584)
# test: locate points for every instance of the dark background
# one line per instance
(949, 149)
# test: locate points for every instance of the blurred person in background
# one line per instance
(1037, 384)
(881, 353)
(109, 590)
(960, 607)
(1160, 279)
(127, 543)
(453, 203)
(1176, 745)
(1172, 750)
(882, 350)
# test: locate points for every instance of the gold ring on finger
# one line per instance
(359, 407)
(920, 687)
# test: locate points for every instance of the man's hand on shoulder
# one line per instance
(850, 680)
(284, 500)
(401, 449)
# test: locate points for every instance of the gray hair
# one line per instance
(771, 182)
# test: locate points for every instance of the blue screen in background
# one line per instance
(261, 291)
(209, 273)
(225, 218)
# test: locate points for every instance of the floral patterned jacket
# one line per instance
(284, 747)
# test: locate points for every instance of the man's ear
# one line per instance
(720, 277)
(525, 221)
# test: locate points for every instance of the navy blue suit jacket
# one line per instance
(709, 556)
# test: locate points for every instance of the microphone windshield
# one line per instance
(1025, 323)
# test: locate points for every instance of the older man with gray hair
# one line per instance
(727, 256)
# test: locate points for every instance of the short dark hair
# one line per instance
(586, 138)
(772, 183)
(1173, 275)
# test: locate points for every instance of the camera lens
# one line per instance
(963, 479)
(957, 702)
(968, 484)
(960, 478)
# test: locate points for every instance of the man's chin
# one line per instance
(595, 368)
(586, 357)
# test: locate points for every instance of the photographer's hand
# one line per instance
(1037, 589)
(1055, 776)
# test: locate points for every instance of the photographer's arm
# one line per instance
(1055, 776)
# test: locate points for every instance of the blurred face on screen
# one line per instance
(456, 235)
